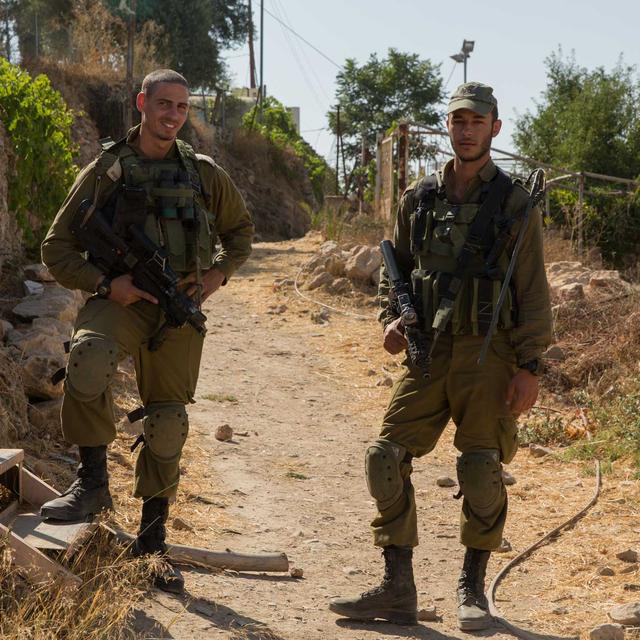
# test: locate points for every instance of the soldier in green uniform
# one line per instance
(184, 202)
(434, 218)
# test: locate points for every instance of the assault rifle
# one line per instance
(417, 342)
(140, 256)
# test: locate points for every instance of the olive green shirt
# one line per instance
(65, 258)
(533, 331)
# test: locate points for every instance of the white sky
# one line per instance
(512, 39)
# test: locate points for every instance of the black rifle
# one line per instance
(418, 345)
(142, 258)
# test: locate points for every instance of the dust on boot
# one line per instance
(395, 599)
(151, 540)
(89, 494)
(473, 608)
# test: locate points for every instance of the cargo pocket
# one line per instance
(175, 243)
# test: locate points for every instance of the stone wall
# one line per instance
(10, 237)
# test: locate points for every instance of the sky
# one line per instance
(512, 41)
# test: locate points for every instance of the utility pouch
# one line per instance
(175, 243)
(131, 209)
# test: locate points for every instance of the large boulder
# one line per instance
(363, 262)
(560, 274)
(37, 370)
(56, 302)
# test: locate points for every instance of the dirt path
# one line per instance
(304, 402)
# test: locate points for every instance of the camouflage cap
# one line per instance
(475, 96)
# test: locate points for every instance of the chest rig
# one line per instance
(460, 257)
(164, 198)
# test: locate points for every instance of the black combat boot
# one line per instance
(394, 600)
(151, 539)
(89, 494)
(473, 608)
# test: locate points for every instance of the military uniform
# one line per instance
(431, 232)
(163, 194)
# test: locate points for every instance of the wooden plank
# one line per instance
(36, 491)
(9, 513)
(48, 534)
(34, 565)
(10, 458)
(276, 562)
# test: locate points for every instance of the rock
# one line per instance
(628, 555)
(607, 631)
(387, 381)
(319, 280)
(37, 370)
(606, 279)
(626, 613)
(507, 478)
(560, 611)
(296, 572)
(554, 352)
(32, 288)
(38, 272)
(316, 263)
(276, 309)
(606, 571)
(282, 283)
(224, 433)
(321, 317)
(445, 481)
(340, 286)
(571, 292)
(363, 262)
(351, 571)
(55, 302)
(428, 614)
(562, 273)
(329, 247)
(371, 372)
(335, 265)
(505, 546)
(538, 451)
(182, 525)
(36, 342)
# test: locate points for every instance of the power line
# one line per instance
(295, 33)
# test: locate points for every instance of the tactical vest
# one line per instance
(163, 197)
(437, 238)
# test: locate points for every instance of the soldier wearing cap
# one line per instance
(435, 216)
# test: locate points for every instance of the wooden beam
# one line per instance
(10, 458)
(275, 562)
(36, 491)
(34, 565)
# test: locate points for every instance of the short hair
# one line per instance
(153, 79)
(494, 113)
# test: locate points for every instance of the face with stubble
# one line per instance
(164, 110)
(471, 134)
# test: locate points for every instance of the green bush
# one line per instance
(277, 126)
(38, 123)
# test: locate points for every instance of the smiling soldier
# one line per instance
(182, 202)
(469, 206)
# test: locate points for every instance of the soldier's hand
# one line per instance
(211, 281)
(124, 292)
(522, 392)
(394, 341)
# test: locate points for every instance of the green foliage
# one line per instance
(381, 92)
(276, 124)
(586, 121)
(38, 124)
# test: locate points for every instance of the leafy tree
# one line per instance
(586, 120)
(379, 93)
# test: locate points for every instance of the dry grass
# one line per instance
(112, 584)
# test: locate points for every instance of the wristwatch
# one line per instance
(536, 366)
(103, 290)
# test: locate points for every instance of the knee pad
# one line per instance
(166, 426)
(93, 361)
(384, 477)
(480, 480)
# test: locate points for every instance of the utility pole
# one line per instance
(338, 140)
(132, 30)
(261, 94)
(252, 55)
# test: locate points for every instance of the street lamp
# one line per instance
(467, 48)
